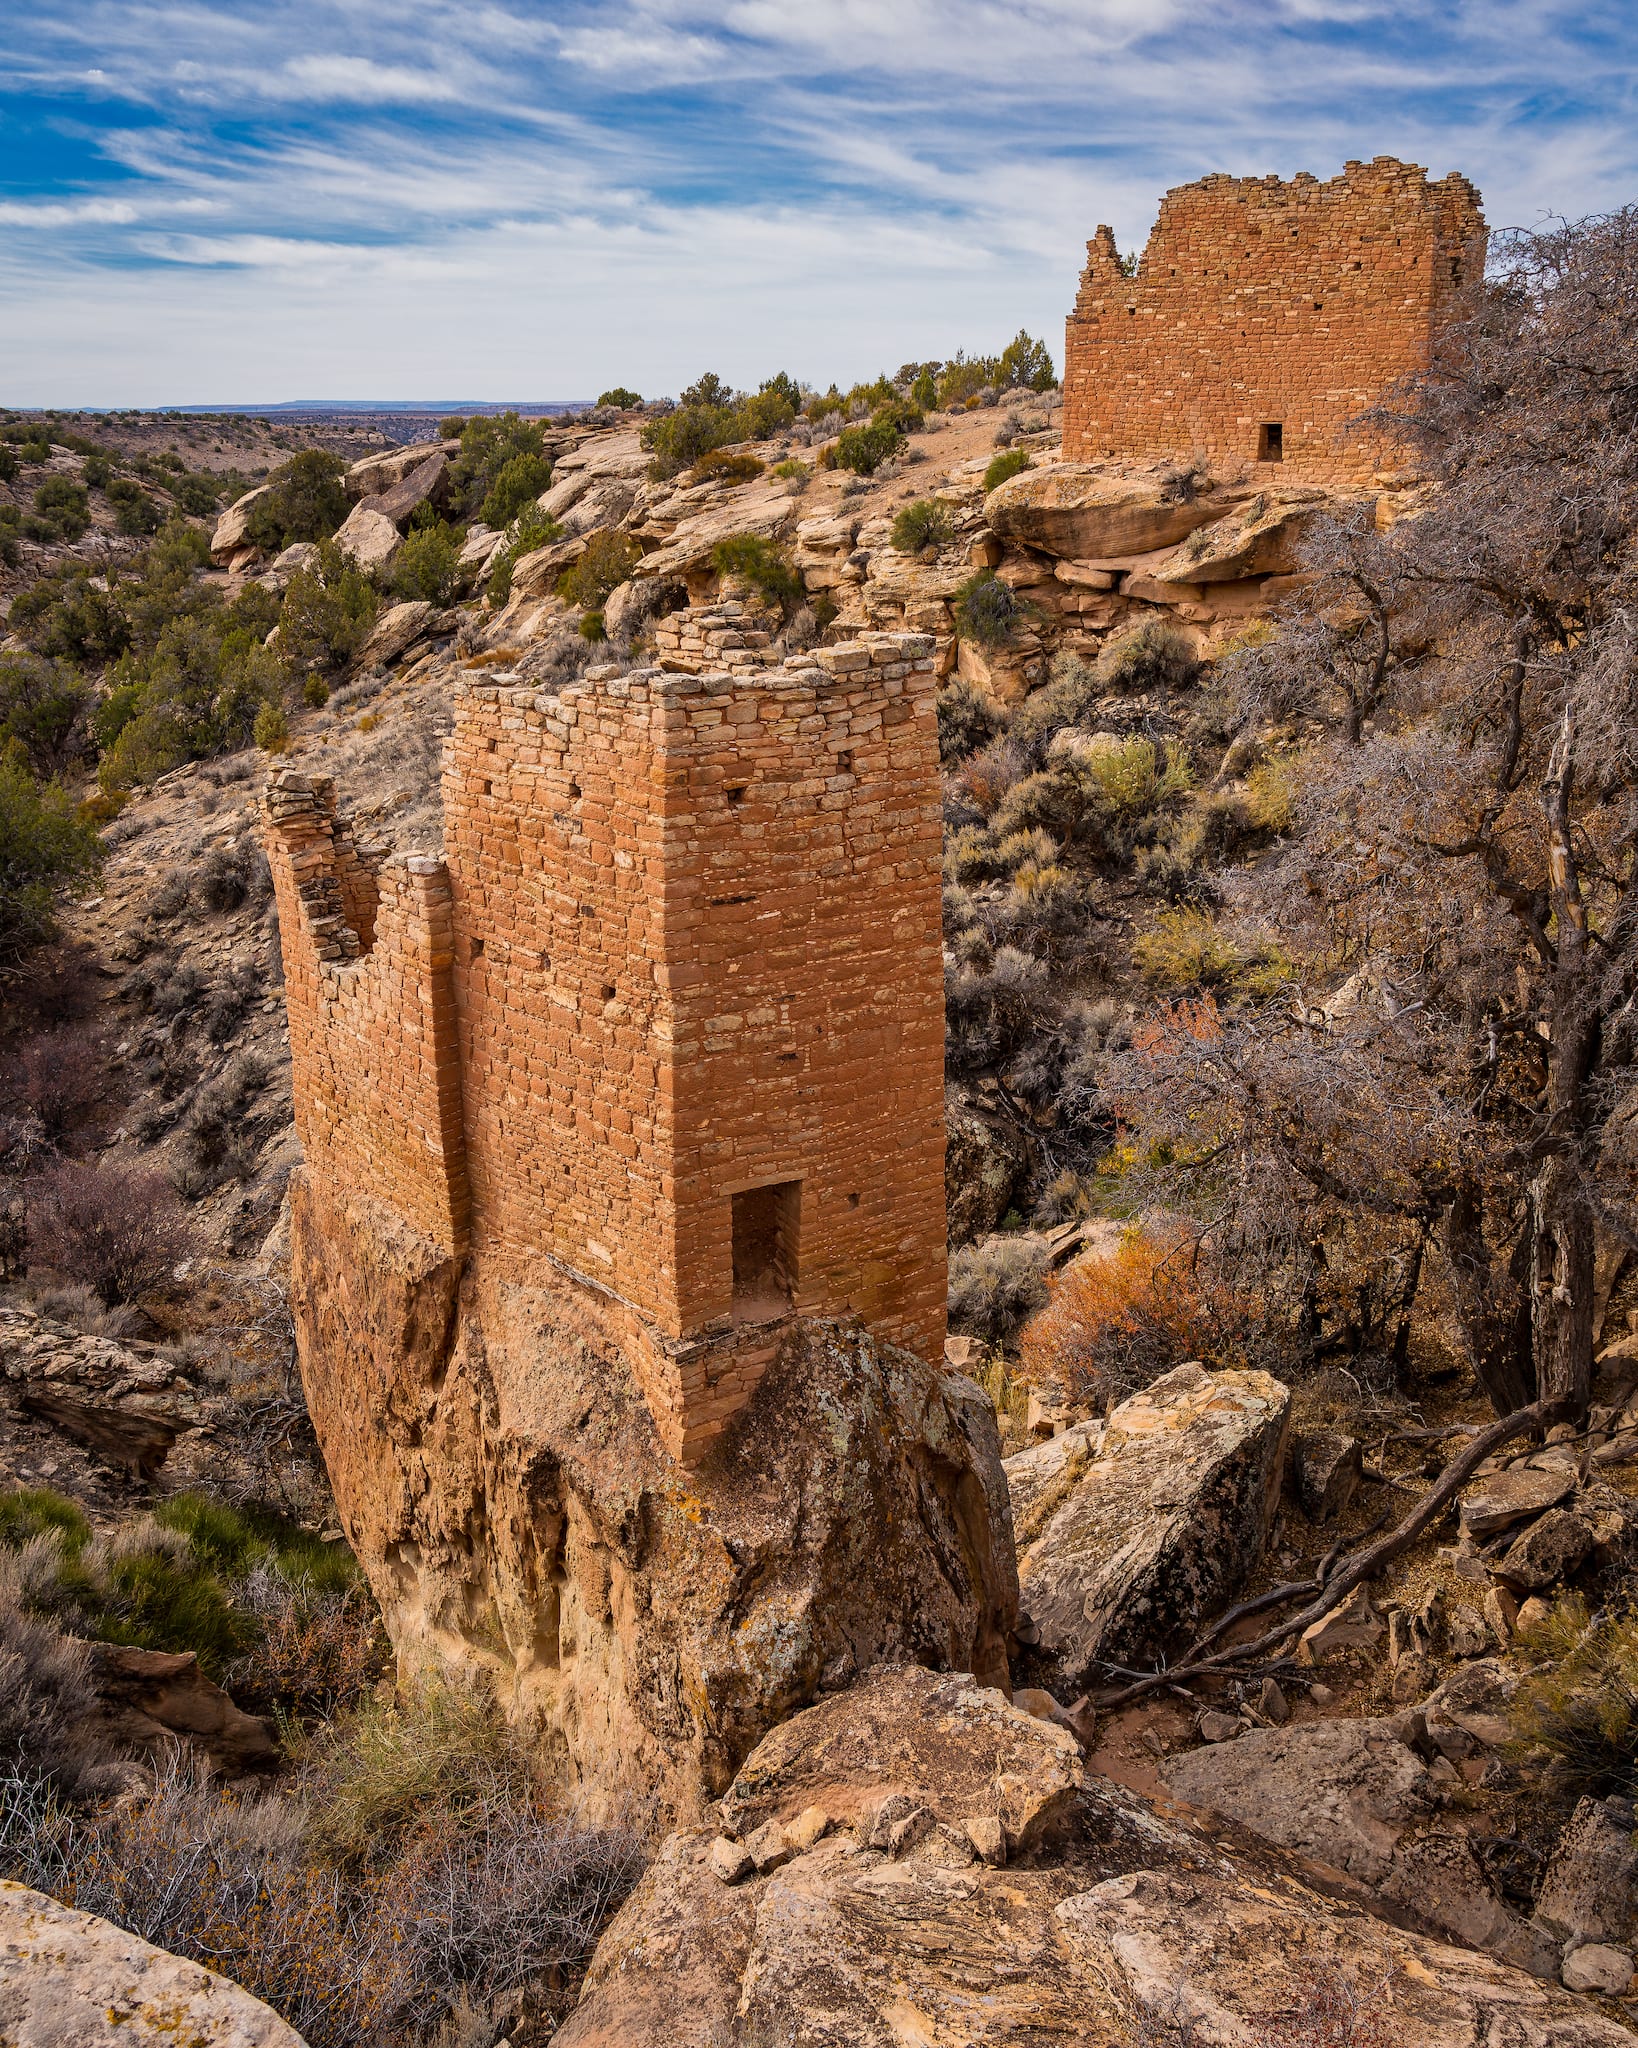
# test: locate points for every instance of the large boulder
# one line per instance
(369, 537)
(520, 1519)
(70, 1980)
(429, 480)
(398, 628)
(1590, 1892)
(150, 1700)
(1264, 537)
(987, 1161)
(231, 537)
(379, 473)
(1162, 1522)
(1082, 514)
(1353, 1796)
(917, 1862)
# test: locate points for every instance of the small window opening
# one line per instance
(574, 791)
(1271, 442)
(488, 786)
(1455, 270)
(844, 762)
(477, 949)
(853, 1201)
(736, 794)
(545, 963)
(766, 1222)
(1319, 306)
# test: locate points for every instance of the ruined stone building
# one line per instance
(661, 1033)
(1264, 316)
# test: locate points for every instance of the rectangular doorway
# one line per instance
(767, 1223)
(1271, 442)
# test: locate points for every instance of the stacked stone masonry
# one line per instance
(1266, 316)
(683, 947)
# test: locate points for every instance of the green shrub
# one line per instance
(924, 391)
(863, 449)
(271, 731)
(791, 467)
(137, 512)
(1009, 463)
(519, 482)
(1186, 951)
(987, 610)
(621, 398)
(967, 720)
(198, 495)
(428, 565)
(43, 707)
(679, 439)
(46, 852)
(717, 466)
(592, 627)
(196, 694)
(96, 472)
(530, 531)
(924, 524)
(1136, 777)
(64, 507)
(763, 565)
(1025, 365)
(8, 464)
(962, 378)
(488, 444)
(305, 501)
(608, 561)
(1271, 793)
(452, 426)
(328, 614)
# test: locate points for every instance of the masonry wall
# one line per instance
(375, 1063)
(688, 941)
(1258, 301)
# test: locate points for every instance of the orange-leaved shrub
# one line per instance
(1117, 1319)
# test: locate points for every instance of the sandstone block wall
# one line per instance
(1262, 303)
(684, 947)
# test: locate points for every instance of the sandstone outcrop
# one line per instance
(987, 1160)
(377, 474)
(506, 1489)
(1086, 514)
(949, 1872)
(230, 536)
(148, 1700)
(70, 1978)
(1133, 1547)
(369, 537)
(1353, 1796)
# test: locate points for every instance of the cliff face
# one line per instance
(501, 1479)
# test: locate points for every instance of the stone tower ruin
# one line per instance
(661, 1033)
(1264, 316)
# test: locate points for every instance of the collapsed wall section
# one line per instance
(375, 1059)
(1265, 315)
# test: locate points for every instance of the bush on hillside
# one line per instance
(719, 466)
(609, 559)
(1012, 462)
(46, 852)
(43, 709)
(926, 523)
(987, 610)
(863, 449)
(305, 501)
(428, 565)
(489, 444)
(328, 614)
(763, 565)
(621, 399)
(519, 481)
(967, 719)
(115, 1228)
(995, 1285)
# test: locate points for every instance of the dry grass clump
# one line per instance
(441, 1885)
(1580, 1702)
(994, 1285)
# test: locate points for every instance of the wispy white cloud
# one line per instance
(555, 199)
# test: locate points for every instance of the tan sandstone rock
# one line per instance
(1086, 1939)
(376, 474)
(1084, 514)
(70, 1980)
(369, 538)
(229, 538)
(516, 1511)
(1165, 1518)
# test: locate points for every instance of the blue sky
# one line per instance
(203, 202)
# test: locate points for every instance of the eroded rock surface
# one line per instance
(503, 1485)
(1089, 1931)
(70, 1978)
(1170, 1509)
